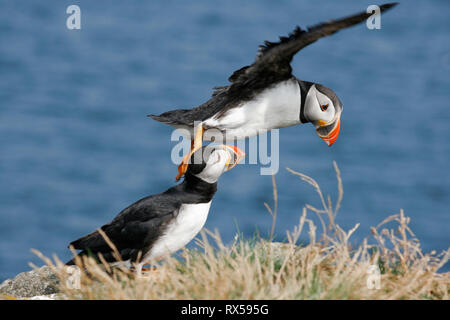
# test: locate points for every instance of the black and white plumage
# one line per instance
(265, 95)
(163, 223)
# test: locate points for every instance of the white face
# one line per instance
(216, 165)
(319, 109)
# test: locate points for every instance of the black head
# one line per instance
(209, 162)
(322, 107)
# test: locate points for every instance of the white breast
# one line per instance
(189, 221)
(275, 107)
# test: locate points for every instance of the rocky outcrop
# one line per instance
(40, 282)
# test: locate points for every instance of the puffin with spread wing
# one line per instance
(265, 95)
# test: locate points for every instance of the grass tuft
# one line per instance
(328, 267)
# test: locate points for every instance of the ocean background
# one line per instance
(76, 146)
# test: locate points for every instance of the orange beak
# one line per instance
(182, 168)
(237, 156)
(237, 153)
(332, 136)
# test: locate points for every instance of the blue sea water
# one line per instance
(76, 146)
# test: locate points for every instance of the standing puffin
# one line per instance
(266, 96)
(163, 223)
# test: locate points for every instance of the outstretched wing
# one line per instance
(272, 65)
(275, 57)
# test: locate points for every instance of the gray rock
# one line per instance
(32, 283)
(53, 296)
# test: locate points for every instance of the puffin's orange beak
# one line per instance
(237, 156)
(182, 168)
(332, 135)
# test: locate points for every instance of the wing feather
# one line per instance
(276, 56)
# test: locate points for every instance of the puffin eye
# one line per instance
(324, 107)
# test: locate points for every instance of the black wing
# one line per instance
(133, 230)
(275, 57)
(272, 65)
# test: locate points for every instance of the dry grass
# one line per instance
(326, 268)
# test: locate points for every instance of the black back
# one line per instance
(135, 229)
